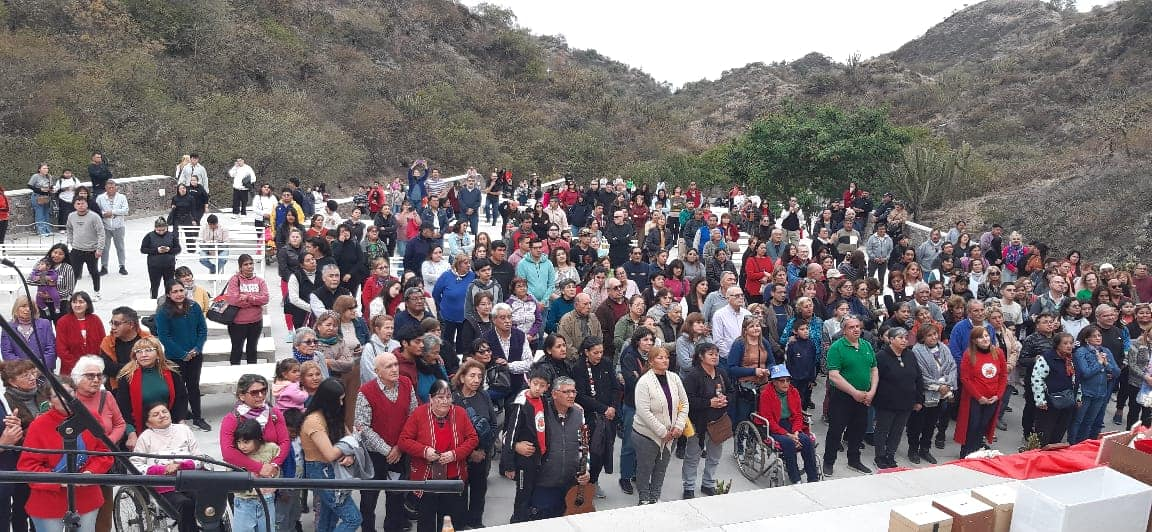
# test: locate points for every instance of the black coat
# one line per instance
(700, 389)
(899, 387)
(150, 246)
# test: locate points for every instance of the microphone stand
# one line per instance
(79, 418)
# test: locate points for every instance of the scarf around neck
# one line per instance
(259, 414)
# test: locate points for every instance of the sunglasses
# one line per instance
(311, 341)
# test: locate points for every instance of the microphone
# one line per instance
(8, 262)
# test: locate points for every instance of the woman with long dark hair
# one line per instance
(323, 427)
(181, 328)
(79, 332)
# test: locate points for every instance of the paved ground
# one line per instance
(124, 290)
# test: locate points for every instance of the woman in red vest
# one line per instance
(146, 379)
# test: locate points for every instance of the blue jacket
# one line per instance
(416, 186)
(1096, 380)
(469, 199)
(449, 294)
(541, 277)
(445, 216)
(556, 310)
(179, 334)
(736, 369)
(958, 341)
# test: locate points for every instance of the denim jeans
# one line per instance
(87, 523)
(42, 214)
(342, 516)
(248, 514)
(806, 450)
(220, 260)
(1089, 416)
(491, 209)
(627, 451)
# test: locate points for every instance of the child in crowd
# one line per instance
(289, 503)
(163, 437)
(248, 513)
(286, 389)
(47, 294)
(801, 361)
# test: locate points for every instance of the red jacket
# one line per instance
(694, 198)
(417, 436)
(71, 344)
(569, 197)
(757, 268)
(770, 409)
(49, 501)
(275, 431)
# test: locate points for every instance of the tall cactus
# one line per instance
(926, 175)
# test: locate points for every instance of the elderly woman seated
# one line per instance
(780, 408)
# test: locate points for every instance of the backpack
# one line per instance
(480, 423)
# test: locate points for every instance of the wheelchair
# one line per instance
(757, 454)
(134, 510)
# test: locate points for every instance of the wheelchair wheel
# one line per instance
(774, 470)
(749, 451)
(131, 512)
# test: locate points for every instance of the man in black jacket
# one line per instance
(98, 173)
(619, 234)
(545, 437)
(502, 270)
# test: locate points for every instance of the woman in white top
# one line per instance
(164, 437)
(66, 192)
(434, 267)
(661, 413)
(264, 205)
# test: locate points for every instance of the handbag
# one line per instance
(43, 199)
(720, 431)
(498, 377)
(221, 312)
(1062, 399)
(689, 429)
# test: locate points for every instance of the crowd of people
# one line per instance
(649, 333)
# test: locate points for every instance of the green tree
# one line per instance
(819, 148)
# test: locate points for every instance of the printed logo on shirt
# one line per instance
(249, 288)
(539, 421)
(988, 370)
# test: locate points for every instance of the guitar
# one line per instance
(579, 498)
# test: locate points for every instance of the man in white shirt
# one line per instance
(243, 178)
(114, 205)
(728, 322)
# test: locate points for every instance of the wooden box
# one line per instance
(1002, 498)
(921, 517)
(968, 514)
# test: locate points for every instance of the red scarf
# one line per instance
(135, 393)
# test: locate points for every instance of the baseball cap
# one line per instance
(780, 371)
(833, 274)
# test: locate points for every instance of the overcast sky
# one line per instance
(687, 40)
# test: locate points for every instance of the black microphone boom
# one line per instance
(79, 418)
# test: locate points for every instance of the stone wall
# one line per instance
(143, 193)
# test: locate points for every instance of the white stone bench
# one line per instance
(215, 347)
(222, 379)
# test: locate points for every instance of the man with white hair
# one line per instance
(508, 342)
(728, 322)
(382, 408)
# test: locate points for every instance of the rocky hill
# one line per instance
(1058, 102)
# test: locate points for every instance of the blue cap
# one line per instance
(779, 371)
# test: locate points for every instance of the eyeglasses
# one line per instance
(93, 376)
(115, 323)
(484, 350)
(260, 391)
(310, 341)
(1114, 286)
(145, 350)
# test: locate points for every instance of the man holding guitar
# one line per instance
(548, 464)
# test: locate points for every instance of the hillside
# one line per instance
(321, 90)
(1058, 102)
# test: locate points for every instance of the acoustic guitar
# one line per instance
(579, 498)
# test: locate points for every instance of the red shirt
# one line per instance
(75, 338)
(986, 376)
(538, 422)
